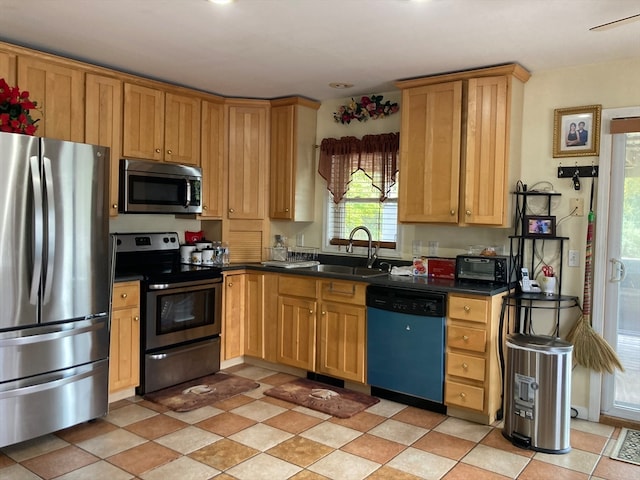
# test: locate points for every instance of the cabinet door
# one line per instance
(124, 350)
(430, 153)
(232, 326)
(254, 314)
(103, 125)
(342, 338)
(212, 159)
(281, 193)
(59, 93)
(486, 160)
(182, 129)
(143, 122)
(296, 332)
(247, 162)
(8, 67)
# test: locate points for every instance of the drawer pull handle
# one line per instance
(169, 152)
(463, 395)
(467, 308)
(465, 366)
(124, 295)
(230, 284)
(231, 210)
(468, 212)
(136, 318)
(157, 150)
(114, 206)
(465, 337)
(452, 212)
(311, 312)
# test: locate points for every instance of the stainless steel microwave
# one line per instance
(156, 187)
(485, 269)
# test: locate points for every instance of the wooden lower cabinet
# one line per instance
(124, 351)
(296, 320)
(473, 381)
(342, 330)
(233, 315)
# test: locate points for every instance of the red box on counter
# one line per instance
(442, 268)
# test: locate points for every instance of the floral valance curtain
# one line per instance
(375, 155)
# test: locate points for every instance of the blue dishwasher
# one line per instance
(405, 342)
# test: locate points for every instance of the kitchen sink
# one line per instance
(346, 271)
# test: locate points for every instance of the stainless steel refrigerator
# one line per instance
(55, 285)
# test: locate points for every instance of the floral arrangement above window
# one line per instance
(14, 110)
(368, 107)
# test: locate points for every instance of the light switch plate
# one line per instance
(574, 261)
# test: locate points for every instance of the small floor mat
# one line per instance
(627, 448)
(336, 401)
(201, 391)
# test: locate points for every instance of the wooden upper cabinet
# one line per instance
(212, 159)
(182, 129)
(8, 67)
(292, 176)
(247, 160)
(143, 122)
(452, 172)
(59, 93)
(486, 156)
(103, 125)
(429, 169)
(161, 126)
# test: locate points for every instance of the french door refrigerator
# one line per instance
(55, 285)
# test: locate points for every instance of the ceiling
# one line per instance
(275, 48)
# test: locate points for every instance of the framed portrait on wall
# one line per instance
(576, 131)
(538, 226)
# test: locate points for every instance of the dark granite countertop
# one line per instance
(393, 281)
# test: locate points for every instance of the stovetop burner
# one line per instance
(156, 256)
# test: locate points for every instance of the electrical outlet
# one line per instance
(576, 207)
(574, 261)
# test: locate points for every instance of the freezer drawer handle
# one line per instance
(53, 335)
(49, 385)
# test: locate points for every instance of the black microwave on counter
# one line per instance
(484, 269)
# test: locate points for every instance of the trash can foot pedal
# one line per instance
(521, 441)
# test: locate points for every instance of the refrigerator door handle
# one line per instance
(36, 183)
(51, 228)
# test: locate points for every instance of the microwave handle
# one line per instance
(188, 192)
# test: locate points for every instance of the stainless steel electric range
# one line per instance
(181, 310)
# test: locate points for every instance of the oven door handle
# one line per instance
(159, 286)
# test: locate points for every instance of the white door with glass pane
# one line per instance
(621, 312)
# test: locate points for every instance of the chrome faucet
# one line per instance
(371, 255)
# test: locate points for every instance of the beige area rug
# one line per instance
(627, 448)
(201, 391)
(324, 398)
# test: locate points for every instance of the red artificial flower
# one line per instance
(14, 110)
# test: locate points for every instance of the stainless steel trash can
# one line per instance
(538, 393)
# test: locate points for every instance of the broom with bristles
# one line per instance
(589, 349)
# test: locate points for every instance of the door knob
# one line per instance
(124, 295)
(157, 150)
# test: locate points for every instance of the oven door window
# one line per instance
(185, 310)
(150, 190)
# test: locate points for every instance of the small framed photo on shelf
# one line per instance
(537, 226)
(576, 131)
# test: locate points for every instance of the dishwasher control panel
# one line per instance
(411, 302)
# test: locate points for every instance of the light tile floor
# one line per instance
(253, 437)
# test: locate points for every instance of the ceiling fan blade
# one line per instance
(616, 23)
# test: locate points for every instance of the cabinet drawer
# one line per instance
(465, 366)
(297, 286)
(466, 338)
(469, 309)
(462, 395)
(126, 294)
(343, 292)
